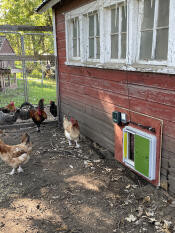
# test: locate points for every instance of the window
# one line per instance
(154, 30)
(139, 151)
(75, 37)
(94, 36)
(122, 34)
(118, 32)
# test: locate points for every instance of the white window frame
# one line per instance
(108, 9)
(155, 28)
(132, 61)
(95, 14)
(78, 38)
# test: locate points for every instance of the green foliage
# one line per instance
(22, 12)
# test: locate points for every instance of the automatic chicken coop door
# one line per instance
(139, 151)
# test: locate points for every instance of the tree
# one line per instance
(21, 12)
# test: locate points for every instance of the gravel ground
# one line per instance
(69, 190)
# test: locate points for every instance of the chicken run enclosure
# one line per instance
(30, 63)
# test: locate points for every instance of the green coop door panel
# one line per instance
(141, 155)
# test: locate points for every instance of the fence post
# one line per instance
(24, 69)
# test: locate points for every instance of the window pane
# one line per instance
(74, 47)
(148, 18)
(114, 20)
(98, 47)
(123, 46)
(91, 48)
(97, 25)
(74, 28)
(146, 45)
(162, 44)
(114, 46)
(78, 47)
(91, 25)
(124, 17)
(163, 19)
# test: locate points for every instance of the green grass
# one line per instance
(36, 91)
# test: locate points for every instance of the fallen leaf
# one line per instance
(149, 213)
(147, 199)
(128, 186)
(140, 211)
(131, 218)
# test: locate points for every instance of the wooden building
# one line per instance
(7, 68)
(116, 75)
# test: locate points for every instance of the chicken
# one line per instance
(71, 130)
(25, 111)
(53, 108)
(9, 108)
(8, 119)
(16, 155)
(38, 115)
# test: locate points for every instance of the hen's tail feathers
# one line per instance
(27, 104)
(25, 138)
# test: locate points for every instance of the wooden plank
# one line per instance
(90, 122)
(90, 110)
(152, 94)
(95, 136)
(27, 58)
(62, 52)
(153, 109)
(61, 43)
(172, 163)
(167, 154)
(164, 171)
(100, 105)
(61, 35)
(169, 128)
(164, 163)
(105, 74)
(13, 28)
(116, 87)
(168, 144)
(60, 26)
(103, 97)
(161, 81)
(171, 181)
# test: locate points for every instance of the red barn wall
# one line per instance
(91, 94)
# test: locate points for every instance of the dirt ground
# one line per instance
(69, 190)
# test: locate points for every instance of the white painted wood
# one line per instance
(171, 40)
(134, 21)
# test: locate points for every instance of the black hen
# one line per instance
(53, 108)
(25, 110)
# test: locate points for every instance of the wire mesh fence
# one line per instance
(27, 68)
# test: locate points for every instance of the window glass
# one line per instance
(91, 25)
(146, 45)
(76, 37)
(124, 17)
(91, 48)
(163, 19)
(162, 44)
(114, 46)
(148, 18)
(114, 20)
(123, 46)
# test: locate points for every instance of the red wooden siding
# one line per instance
(91, 94)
